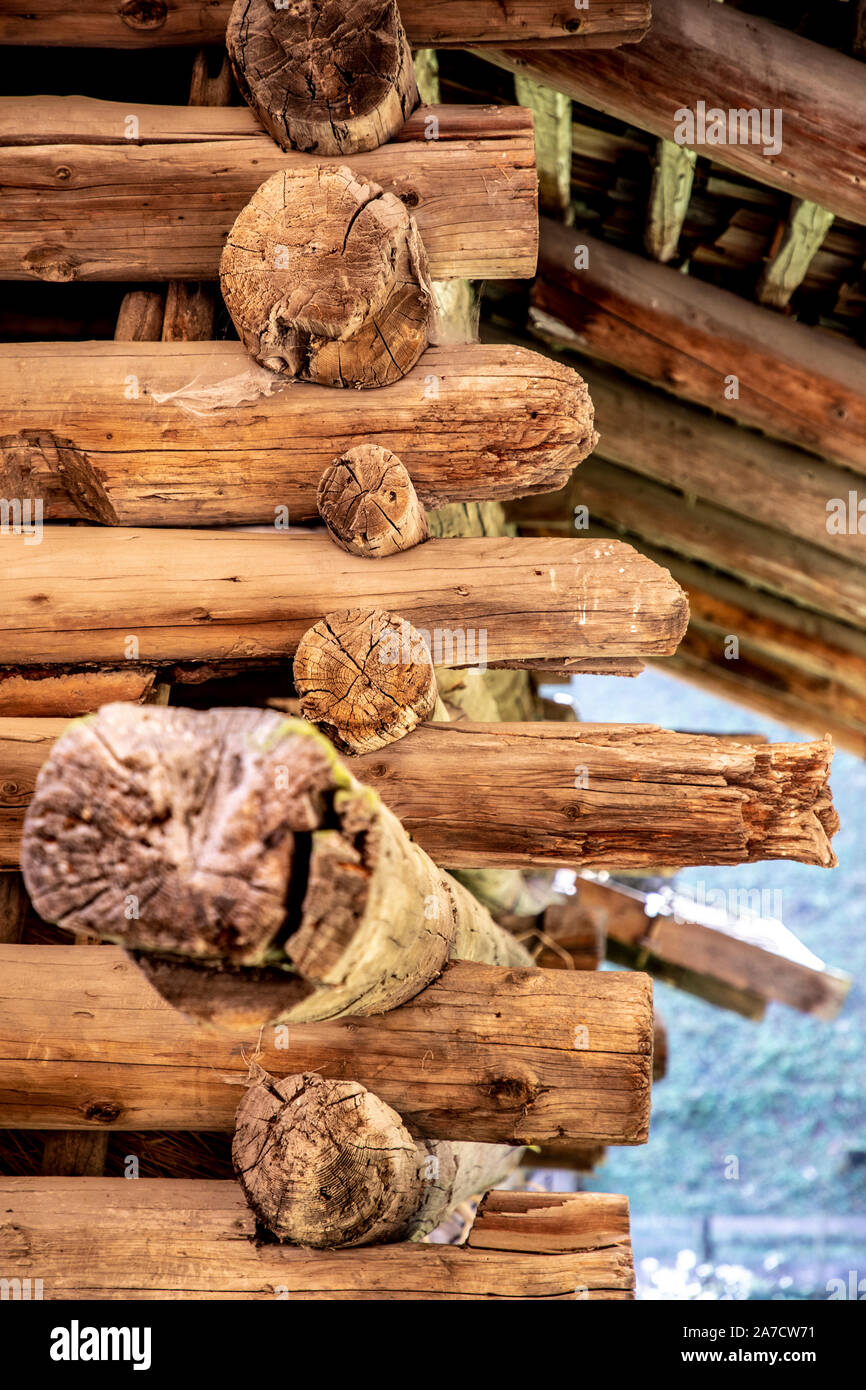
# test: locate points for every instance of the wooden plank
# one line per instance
(196, 1239)
(624, 795)
(701, 51)
(706, 344)
(110, 595)
(746, 950)
(190, 433)
(485, 1052)
(90, 196)
(551, 113)
(442, 24)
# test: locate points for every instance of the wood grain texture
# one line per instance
(202, 595)
(650, 797)
(485, 1053)
(82, 201)
(699, 50)
(182, 434)
(326, 279)
(689, 338)
(440, 24)
(329, 79)
(188, 1239)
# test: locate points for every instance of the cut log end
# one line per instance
(365, 677)
(327, 79)
(326, 1163)
(257, 880)
(48, 475)
(326, 279)
(369, 504)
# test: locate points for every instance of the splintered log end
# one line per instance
(175, 830)
(326, 279)
(254, 877)
(326, 1163)
(789, 811)
(41, 471)
(369, 504)
(326, 78)
(365, 677)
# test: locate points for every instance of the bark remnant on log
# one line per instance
(233, 839)
(326, 78)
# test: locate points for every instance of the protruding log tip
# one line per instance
(365, 677)
(326, 1163)
(369, 504)
(329, 77)
(326, 279)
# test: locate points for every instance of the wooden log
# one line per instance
(677, 444)
(794, 249)
(782, 76)
(745, 949)
(89, 196)
(776, 689)
(650, 798)
(355, 683)
(183, 434)
(553, 137)
(230, 839)
(728, 541)
(326, 279)
(327, 1164)
(485, 1053)
(14, 906)
(445, 24)
(670, 191)
(706, 344)
(369, 504)
(196, 1239)
(206, 595)
(45, 693)
(328, 80)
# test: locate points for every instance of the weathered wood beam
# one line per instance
(706, 344)
(745, 949)
(89, 196)
(776, 689)
(552, 115)
(443, 24)
(622, 795)
(110, 595)
(728, 540)
(485, 1053)
(670, 191)
(780, 487)
(815, 148)
(199, 1242)
(189, 433)
(793, 252)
